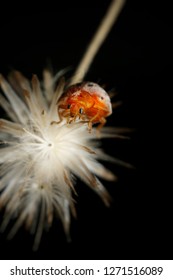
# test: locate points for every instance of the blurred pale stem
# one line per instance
(99, 37)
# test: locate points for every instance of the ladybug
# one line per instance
(86, 101)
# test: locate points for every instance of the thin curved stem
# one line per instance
(96, 42)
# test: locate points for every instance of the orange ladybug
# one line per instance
(86, 101)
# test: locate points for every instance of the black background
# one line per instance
(136, 60)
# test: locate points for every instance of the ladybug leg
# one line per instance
(66, 114)
(73, 119)
(82, 117)
(89, 126)
(102, 123)
(75, 112)
(91, 122)
(61, 116)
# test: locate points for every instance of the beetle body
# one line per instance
(86, 101)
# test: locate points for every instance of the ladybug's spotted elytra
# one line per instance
(86, 101)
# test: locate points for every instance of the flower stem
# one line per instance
(96, 42)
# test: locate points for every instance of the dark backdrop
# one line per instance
(136, 60)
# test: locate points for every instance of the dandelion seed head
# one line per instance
(41, 159)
